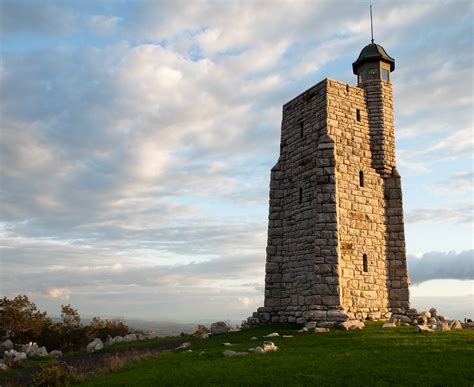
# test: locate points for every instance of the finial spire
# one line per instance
(371, 24)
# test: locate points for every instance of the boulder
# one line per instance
(184, 345)
(229, 353)
(256, 350)
(398, 311)
(389, 325)
(433, 312)
(426, 314)
(55, 353)
(469, 325)
(151, 335)
(130, 337)
(7, 345)
(31, 349)
(109, 341)
(337, 315)
(117, 339)
(95, 345)
(321, 330)
(20, 347)
(274, 334)
(287, 336)
(228, 344)
(441, 318)
(11, 357)
(205, 336)
(42, 351)
(401, 318)
(254, 338)
(269, 346)
(350, 325)
(310, 325)
(3, 366)
(220, 327)
(422, 328)
(455, 324)
(315, 315)
(303, 330)
(442, 326)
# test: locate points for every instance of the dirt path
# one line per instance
(88, 363)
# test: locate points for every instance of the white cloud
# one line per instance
(63, 293)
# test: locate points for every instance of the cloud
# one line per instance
(441, 265)
(24, 17)
(102, 25)
(441, 215)
(458, 184)
(59, 293)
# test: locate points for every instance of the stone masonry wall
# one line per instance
(361, 209)
(301, 267)
(380, 114)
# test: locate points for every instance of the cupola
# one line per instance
(373, 63)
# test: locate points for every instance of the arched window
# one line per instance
(365, 263)
(361, 178)
(301, 196)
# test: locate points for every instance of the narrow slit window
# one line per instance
(358, 114)
(365, 263)
(301, 196)
(361, 178)
(347, 88)
(301, 129)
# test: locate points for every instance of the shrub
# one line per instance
(53, 376)
(103, 328)
(201, 330)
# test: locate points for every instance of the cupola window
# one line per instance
(385, 75)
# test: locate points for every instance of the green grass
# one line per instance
(373, 356)
(140, 344)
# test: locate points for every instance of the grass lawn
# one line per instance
(373, 356)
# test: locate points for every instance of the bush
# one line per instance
(201, 330)
(103, 328)
(53, 376)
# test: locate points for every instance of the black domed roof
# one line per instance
(373, 53)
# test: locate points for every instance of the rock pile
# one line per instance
(425, 321)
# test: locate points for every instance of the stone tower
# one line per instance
(336, 243)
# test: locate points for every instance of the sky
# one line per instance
(137, 139)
